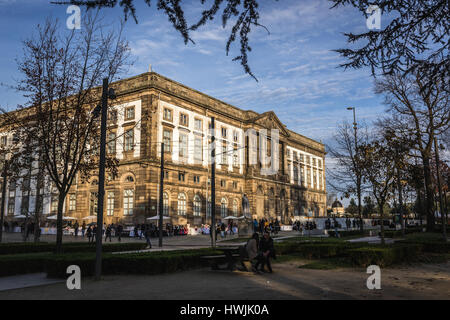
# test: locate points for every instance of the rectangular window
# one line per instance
(94, 204)
(183, 148)
(112, 115)
(110, 203)
(301, 158)
(184, 120)
(167, 139)
(111, 146)
(11, 206)
(198, 149)
(235, 158)
(235, 136)
(224, 132)
(235, 185)
(54, 204)
(223, 183)
(167, 114)
(196, 179)
(166, 174)
(72, 202)
(181, 176)
(224, 154)
(129, 140)
(128, 202)
(198, 124)
(129, 113)
(319, 162)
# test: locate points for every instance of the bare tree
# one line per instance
(61, 74)
(420, 113)
(378, 164)
(345, 173)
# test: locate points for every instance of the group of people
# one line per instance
(259, 251)
(264, 225)
(299, 226)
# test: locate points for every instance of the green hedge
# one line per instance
(137, 263)
(145, 263)
(384, 256)
(317, 249)
(11, 265)
(71, 247)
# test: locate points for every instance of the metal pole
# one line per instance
(161, 187)
(2, 209)
(444, 226)
(101, 181)
(213, 185)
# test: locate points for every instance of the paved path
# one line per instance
(26, 280)
(288, 282)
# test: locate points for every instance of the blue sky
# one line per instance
(298, 73)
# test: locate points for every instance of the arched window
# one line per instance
(165, 204)
(181, 204)
(128, 202)
(235, 207)
(223, 207)
(129, 179)
(197, 206)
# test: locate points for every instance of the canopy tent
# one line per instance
(157, 218)
(231, 218)
(20, 216)
(90, 218)
(55, 217)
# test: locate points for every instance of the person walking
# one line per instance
(76, 226)
(94, 233)
(119, 232)
(89, 234)
(147, 234)
(108, 232)
(83, 229)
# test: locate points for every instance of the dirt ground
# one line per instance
(424, 281)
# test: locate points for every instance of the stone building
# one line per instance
(151, 109)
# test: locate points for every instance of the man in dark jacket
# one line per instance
(266, 252)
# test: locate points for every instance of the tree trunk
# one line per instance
(429, 194)
(358, 187)
(59, 221)
(382, 223)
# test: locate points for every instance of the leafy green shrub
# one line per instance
(143, 263)
(23, 263)
(384, 256)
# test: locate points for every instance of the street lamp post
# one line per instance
(358, 172)
(106, 93)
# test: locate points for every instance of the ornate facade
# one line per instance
(151, 109)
